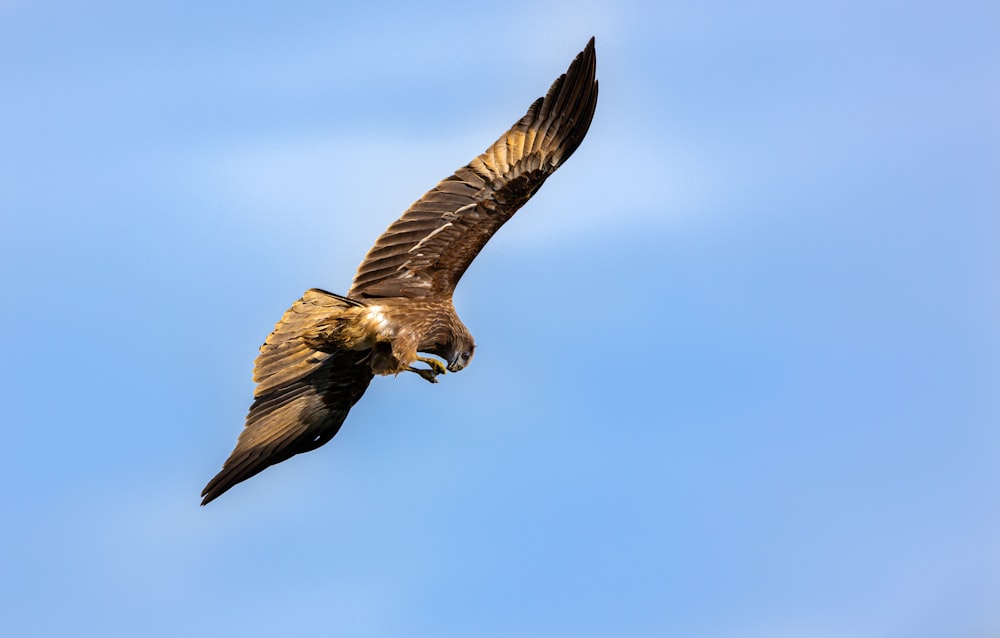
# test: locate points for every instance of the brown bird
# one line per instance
(327, 348)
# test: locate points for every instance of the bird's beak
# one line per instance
(455, 364)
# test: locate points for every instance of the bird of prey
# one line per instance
(327, 348)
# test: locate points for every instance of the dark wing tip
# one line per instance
(216, 488)
(580, 99)
(563, 117)
(240, 466)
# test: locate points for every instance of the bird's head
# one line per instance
(461, 357)
(458, 353)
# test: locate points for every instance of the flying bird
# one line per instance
(321, 356)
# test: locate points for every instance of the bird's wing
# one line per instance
(305, 388)
(427, 250)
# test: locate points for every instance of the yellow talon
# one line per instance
(436, 368)
(436, 365)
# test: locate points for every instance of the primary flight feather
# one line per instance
(327, 348)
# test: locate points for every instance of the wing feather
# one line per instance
(429, 248)
(305, 388)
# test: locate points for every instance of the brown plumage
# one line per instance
(326, 349)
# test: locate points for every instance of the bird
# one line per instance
(327, 348)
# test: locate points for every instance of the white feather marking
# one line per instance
(377, 318)
(428, 237)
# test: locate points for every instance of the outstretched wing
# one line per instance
(428, 249)
(305, 388)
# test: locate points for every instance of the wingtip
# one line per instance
(228, 477)
(208, 494)
(220, 484)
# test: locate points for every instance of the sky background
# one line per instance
(738, 365)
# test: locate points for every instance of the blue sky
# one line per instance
(737, 369)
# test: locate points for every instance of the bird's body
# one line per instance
(321, 356)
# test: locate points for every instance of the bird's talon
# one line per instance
(429, 375)
(436, 366)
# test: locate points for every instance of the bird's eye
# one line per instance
(466, 355)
